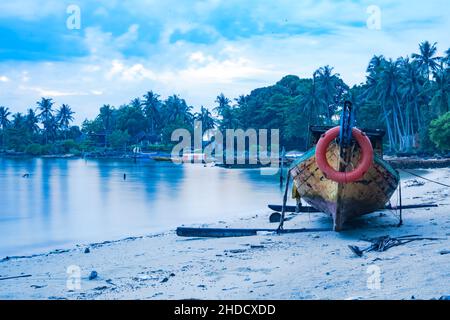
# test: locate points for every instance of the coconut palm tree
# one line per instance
(411, 91)
(176, 108)
(4, 121)
(136, 103)
(18, 121)
(205, 116)
(64, 117)
(426, 59)
(447, 58)
(106, 118)
(326, 82)
(374, 91)
(152, 108)
(31, 121)
(441, 97)
(46, 116)
(375, 64)
(223, 104)
(313, 102)
(4, 115)
(224, 110)
(389, 95)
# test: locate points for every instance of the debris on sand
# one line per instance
(414, 183)
(384, 243)
(93, 275)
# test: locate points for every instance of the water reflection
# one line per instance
(64, 202)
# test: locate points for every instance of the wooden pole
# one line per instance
(15, 277)
(283, 153)
(283, 209)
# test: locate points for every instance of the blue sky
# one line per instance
(195, 48)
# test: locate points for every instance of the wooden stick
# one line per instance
(283, 209)
(277, 207)
(15, 277)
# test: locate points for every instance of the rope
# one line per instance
(419, 176)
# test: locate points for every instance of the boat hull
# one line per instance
(343, 201)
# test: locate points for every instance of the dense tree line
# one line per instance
(42, 130)
(407, 97)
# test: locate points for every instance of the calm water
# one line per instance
(66, 202)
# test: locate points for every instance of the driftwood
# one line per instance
(230, 232)
(276, 207)
(15, 277)
(384, 243)
(417, 163)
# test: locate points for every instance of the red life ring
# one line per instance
(344, 177)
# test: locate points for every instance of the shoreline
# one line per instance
(317, 265)
(396, 162)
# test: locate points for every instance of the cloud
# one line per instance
(198, 49)
(135, 72)
(50, 93)
(31, 10)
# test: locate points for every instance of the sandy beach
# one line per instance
(267, 266)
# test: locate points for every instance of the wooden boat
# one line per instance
(344, 201)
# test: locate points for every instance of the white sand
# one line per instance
(294, 266)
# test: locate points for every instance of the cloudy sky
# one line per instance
(196, 49)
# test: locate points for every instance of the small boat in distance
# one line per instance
(347, 177)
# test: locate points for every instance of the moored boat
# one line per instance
(335, 181)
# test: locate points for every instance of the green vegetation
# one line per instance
(440, 132)
(408, 97)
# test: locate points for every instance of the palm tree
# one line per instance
(152, 107)
(4, 114)
(64, 118)
(226, 112)
(136, 103)
(441, 91)
(373, 91)
(375, 64)
(426, 59)
(106, 115)
(223, 104)
(31, 121)
(4, 121)
(389, 94)
(205, 116)
(326, 84)
(46, 116)
(18, 121)
(313, 102)
(177, 108)
(447, 57)
(411, 90)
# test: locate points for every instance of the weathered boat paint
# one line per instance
(343, 201)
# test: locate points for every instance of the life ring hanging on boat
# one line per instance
(344, 177)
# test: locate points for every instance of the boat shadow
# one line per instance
(375, 223)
